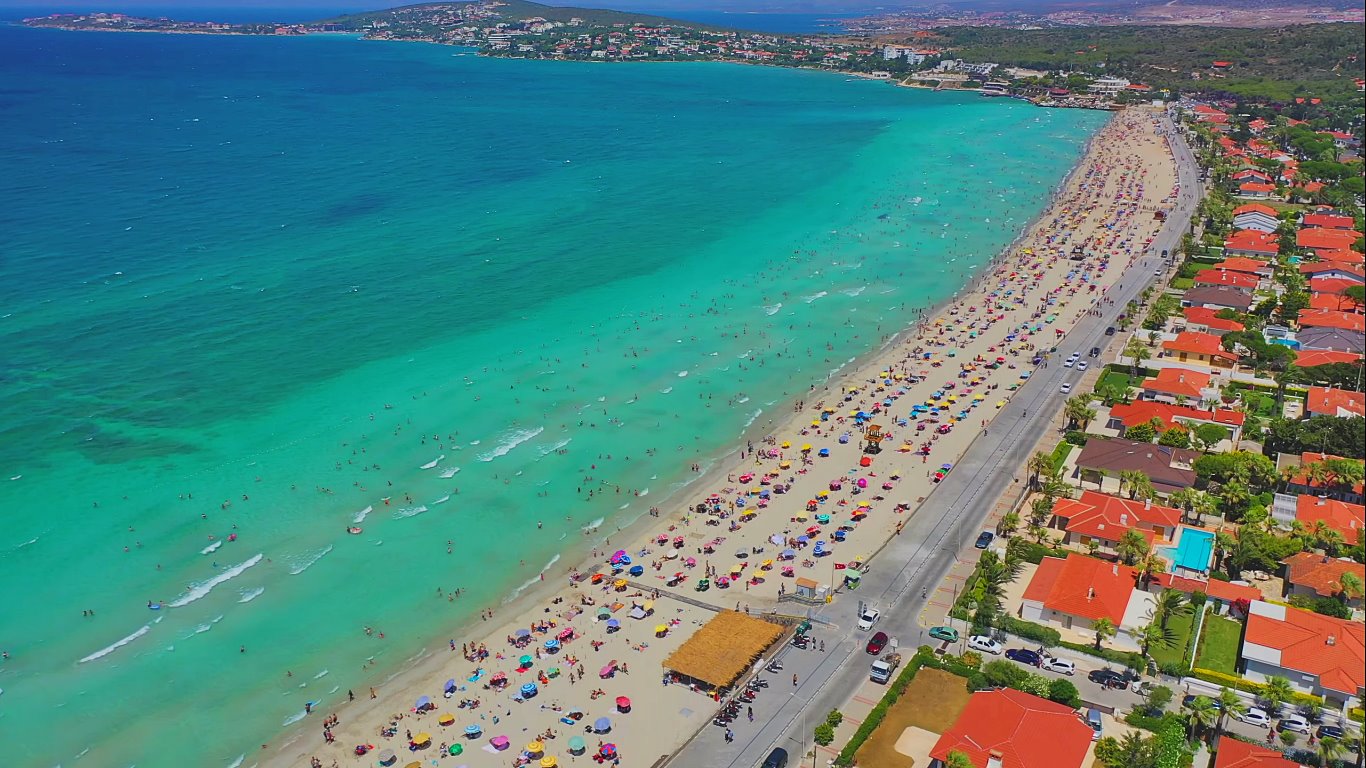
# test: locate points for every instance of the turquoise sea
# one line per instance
(273, 288)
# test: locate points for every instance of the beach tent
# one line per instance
(602, 725)
(387, 757)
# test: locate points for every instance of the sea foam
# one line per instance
(303, 565)
(200, 590)
(513, 439)
(108, 649)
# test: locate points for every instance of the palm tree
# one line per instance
(1142, 488)
(1276, 692)
(1078, 411)
(1171, 603)
(1038, 464)
(1149, 567)
(1010, 522)
(1224, 544)
(1138, 353)
(1229, 704)
(1131, 547)
(1200, 713)
(1153, 633)
(1330, 749)
(1104, 629)
(1349, 586)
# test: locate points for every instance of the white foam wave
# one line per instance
(406, 512)
(442, 500)
(855, 291)
(593, 526)
(533, 580)
(238, 762)
(774, 309)
(644, 492)
(251, 594)
(303, 565)
(433, 462)
(360, 516)
(666, 390)
(448, 472)
(682, 374)
(320, 675)
(814, 296)
(513, 439)
(108, 649)
(549, 449)
(211, 548)
(294, 718)
(753, 417)
(202, 589)
(28, 543)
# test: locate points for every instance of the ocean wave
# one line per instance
(294, 718)
(303, 565)
(682, 374)
(531, 581)
(814, 296)
(851, 292)
(549, 449)
(28, 543)
(513, 439)
(202, 589)
(407, 512)
(251, 594)
(211, 548)
(593, 526)
(238, 762)
(442, 500)
(360, 516)
(753, 417)
(774, 309)
(666, 390)
(108, 649)
(433, 462)
(644, 492)
(448, 473)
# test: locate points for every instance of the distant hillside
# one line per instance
(511, 10)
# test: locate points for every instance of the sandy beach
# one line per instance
(804, 502)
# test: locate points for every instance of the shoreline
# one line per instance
(426, 667)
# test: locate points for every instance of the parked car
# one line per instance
(984, 539)
(1066, 387)
(1025, 656)
(1061, 666)
(948, 634)
(877, 642)
(1142, 687)
(1294, 724)
(985, 644)
(1330, 731)
(1257, 717)
(1081, 366)
(1108, 678)
(869, 618)
(1069, 362)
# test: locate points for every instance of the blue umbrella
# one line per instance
(522, 633)
(528, 690)
(803, 539)
(789, 553)
(473, 731)
(613, 623)
(602, 725)
(625, 560)
(450, 685)
(422, 702)
(552, 644)
(637, 570)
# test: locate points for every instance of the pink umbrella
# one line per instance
(499, 743)
(863, 482)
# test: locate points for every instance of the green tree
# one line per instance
(1176, 437)
(1104, 629)
(1172, 603)
(1131, 546)
(1229, 704)
(957, 759)
(1010, 523)
(1078, 411)
(1200, 714)
(1138, 353)
(1159, 696)
(1330, 749)
(1037, 465)
(1063, 691)
(1153, 633)
(1142, 433)
(1276, 692)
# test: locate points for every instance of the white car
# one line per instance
(1294, 723)
(985, 644)
(1257, 717)
(1066, 387)
(1069, 362)
(1082, 365)
(869, 618)
(1061, 666)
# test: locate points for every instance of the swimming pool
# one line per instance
(1192, 551)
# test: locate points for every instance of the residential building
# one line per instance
(1256, 190)
(1327, 318)
(1169, 469)
(1246, 266)
(1304, 484)
(1335, 339)
(1240, 754)
(1319, 655)
(1339, 269)
(1255, 216)
(1253, 242)
(1310, 358)
(1006, 728)
(1200, 349)
(1172, 385)
(1225, 595)
(1077, 591)
(1124, 416)
(1217, 278)
(1217, 298)
(1107, 86)
(1346, 518)
(1327, 221)
(1329, 401)
(1104, 519)
(1310, 574)
(1204, 320)
(1326, 239)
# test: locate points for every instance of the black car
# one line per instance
(1108, 678)
(1110, 331)
(984, 539)
(1024, 656)
(776, 759)
(1330, 731)
(1095, 351)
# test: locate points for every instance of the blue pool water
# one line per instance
(1192, 551)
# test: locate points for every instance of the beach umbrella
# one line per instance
(446, 719)
(422, 739)
(473, 731)
(604, 612)
(422, 702)
(522, 633)
(636, 570)
(602, 725)
(525, 661)
(613, 624)
(552, 644)
(661, 630)
(535, 748)
(575, 744)
(414, 764)
(528, 690)
(607, 671)
(449, 686)
(499, 743)
(788, 554)
(623, 704)
(456, 749)
(549, 761)
(387, 757)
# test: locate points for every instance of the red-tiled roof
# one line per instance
(1326, 238)
(1220, 590)
(1240, 754)
(1252, 186)
(1084, 586)
(1341, 256)
(1255, 208)
(1346, 519)
(1331, 284)
(1251, 173)
(1308, 358)
(1321, 573)
(1025, 731)
(1333, 649)
(1191, 342)
(1336, 402)
(1309, 457)
(1206, 316)
(1253, 241)
(1321, 267)
(1328, 221)
(1327, 318)
(1334, 302)
(1177, 381)
(1240, 264)
(1144, 411)
(1108, 517)
(1220, 277)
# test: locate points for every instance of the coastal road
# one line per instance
(933, 539)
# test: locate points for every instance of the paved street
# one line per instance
(940, 533)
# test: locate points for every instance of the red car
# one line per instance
(877, 643)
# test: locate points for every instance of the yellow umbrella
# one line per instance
(549, 761)
(661, 629)
(757, 575)
(806, 447)
(649, 605)
(864, 504)
(786, 444)
(446, 719)
(785, 465)
(620, 583)
(422, 738)
(766, 564)
(822, 494)
(737, 568)
(801, 516)
(535, 748)
(814, 424)
(1000, 403)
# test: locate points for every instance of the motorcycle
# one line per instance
(774, 666)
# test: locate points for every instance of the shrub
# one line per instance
(1171, 669)
(1036, 685)
(824, 734)
(1150, 723)
(1126, 658)
(1075, 437)
(1062, 691)
(1028, 630)
(834, 718)
(1247, 686)
(1357, 714)
(1197, 599)
(1005, 673)
(971, 659)
(1024, 550)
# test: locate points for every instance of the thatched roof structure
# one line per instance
(724, 649)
